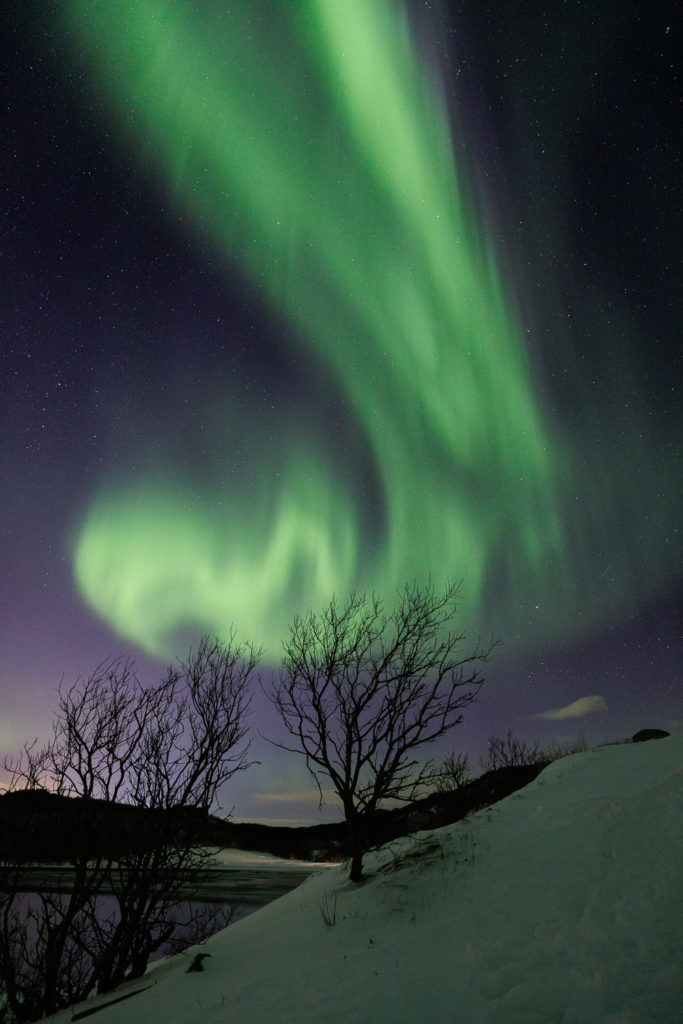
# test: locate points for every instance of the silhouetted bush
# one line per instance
(454, 773)
(510, 752)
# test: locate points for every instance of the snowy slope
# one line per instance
(559, 904)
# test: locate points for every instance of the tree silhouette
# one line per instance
(163, 753)
(361, 690)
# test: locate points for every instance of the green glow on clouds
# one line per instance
(306, 143)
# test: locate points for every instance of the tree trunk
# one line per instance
(357, 836)
(357, 865)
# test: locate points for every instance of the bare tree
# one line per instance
(455, 773)
(361, 690)
(163, 751)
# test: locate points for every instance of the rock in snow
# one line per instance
(558, 905)
(650, 734)
(197, 964)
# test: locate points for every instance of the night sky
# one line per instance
(305, 297)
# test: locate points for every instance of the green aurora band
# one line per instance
(310, 147)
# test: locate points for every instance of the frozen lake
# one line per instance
(231, 876)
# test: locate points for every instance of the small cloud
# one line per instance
(577, 709)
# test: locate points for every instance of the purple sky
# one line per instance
(570, 121)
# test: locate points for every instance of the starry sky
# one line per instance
(300, 298)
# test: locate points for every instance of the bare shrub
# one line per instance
(328, 909)
(455, 772)
(509, 752)
(559, 749)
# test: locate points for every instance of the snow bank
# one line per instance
(559, 905)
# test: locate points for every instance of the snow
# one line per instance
(252, 860)
(559, 905)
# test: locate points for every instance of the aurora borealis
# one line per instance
(328, 322)
(382, 275)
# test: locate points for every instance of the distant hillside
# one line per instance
(40, 826)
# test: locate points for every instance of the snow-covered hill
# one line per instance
(559, 905)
